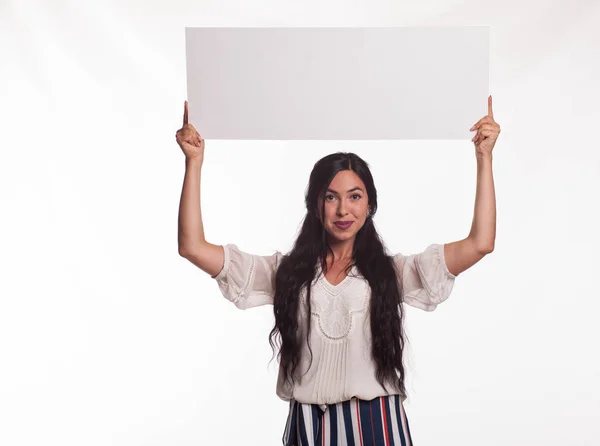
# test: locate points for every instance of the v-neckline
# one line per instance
(335, 288)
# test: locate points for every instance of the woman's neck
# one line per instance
(342, 251)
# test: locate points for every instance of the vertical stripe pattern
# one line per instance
(379, 422)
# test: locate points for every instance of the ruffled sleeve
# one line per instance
(248, 280)
(424, 278)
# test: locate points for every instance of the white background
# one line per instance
(108, 337)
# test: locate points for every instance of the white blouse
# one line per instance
(340, 338)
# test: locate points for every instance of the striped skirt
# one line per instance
(378, 422)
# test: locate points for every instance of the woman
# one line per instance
(341, 368)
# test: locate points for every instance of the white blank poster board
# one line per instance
(342, 83)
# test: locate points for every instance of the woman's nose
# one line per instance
(342, 208)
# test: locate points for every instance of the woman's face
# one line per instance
(346, 200)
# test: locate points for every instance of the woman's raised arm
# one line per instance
(192, 243)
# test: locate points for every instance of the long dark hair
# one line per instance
(298, 268)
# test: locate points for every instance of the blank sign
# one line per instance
(337, 83)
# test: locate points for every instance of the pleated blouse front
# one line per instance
(340, 337)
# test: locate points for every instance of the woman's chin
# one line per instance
(340, 236)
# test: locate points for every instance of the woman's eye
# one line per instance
(327, 197)
(357, 195)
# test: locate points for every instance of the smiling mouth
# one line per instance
(343, 225)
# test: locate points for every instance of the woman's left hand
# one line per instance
(487, 132)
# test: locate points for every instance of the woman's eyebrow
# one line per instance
(350, 190)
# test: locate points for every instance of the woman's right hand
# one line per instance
(189, 139)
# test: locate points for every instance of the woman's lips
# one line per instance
(343, 225)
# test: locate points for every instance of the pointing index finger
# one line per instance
(185, 113)
(490, 111)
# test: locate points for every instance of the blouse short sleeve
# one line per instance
(424, 277)
(248, 280)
